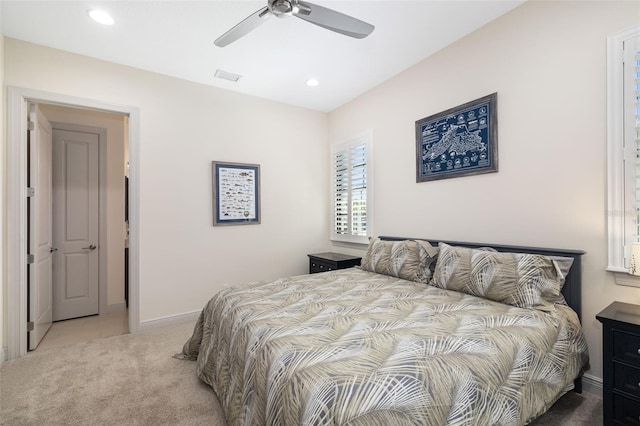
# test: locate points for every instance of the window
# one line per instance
(351, 189)
(623, 144)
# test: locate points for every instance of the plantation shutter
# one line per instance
(359, 190)
(636, 135)
(631, 144)
(623, 150)
(351, 189)
(341, 206)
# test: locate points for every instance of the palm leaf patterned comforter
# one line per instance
(352, 347)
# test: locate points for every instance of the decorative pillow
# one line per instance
(428, 255)
(564, 264)
(517, 279)
(407, 259)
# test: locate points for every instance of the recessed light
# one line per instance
(312, 82)
(101, 17)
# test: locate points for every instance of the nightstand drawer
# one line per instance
(626, 411)
(626, 379)
(316, 265)
(626, 347)
(323, 262)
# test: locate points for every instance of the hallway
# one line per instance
(84, 329)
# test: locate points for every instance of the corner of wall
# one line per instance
(592, 384)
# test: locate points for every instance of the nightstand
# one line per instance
(621, 363)
(322, 262)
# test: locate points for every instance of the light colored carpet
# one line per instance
(134, 380)
(121, 380)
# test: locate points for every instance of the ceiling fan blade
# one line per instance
(243, 28)
(332, 20)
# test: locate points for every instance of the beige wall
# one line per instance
(184, 126)
(114, 188)
(547, 62)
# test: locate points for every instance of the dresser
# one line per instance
(621, 363)
(322, 262)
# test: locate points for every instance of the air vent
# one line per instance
(227, 76)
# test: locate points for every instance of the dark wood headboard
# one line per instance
(572, 289)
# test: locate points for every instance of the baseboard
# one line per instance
(155, 323)
(3, 355)
(592, 384)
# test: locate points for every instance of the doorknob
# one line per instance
(91, 247)
(52, 249)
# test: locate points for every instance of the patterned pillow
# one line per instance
(407, 259)
(517, 279)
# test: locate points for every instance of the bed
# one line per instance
(404, 339)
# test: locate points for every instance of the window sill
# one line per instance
(623, 278)
(350, 240)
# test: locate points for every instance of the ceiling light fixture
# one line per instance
(101, 17)
(312, 82)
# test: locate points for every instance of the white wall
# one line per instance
(547, 62)
(114, 188)
(184, 126)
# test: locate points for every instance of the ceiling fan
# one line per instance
(318, 15)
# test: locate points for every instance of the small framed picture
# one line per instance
(236, 193)
(460, 141)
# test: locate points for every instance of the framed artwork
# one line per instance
(236, 193)
(460, 141)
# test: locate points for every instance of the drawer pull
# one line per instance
(322, 267)
(638, 351)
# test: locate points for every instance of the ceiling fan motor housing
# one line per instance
(284, 8)
(281, 7)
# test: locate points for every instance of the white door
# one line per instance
(40, 227)
(75, 224)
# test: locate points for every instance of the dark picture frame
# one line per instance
(236, 193)
(460, 141)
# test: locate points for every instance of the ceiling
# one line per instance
(175, 38)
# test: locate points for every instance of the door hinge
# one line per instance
(30, 258)
(31, 126)
(31, 192)
(30, 326)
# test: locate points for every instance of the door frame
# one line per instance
(16, 163)
(103, 306)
